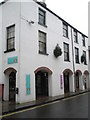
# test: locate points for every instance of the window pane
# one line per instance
(66, 52)
(75, 36)
(77, 55)
(65, 30)
(10, 37)
(42, 17)
(83, 40)
(42, 42)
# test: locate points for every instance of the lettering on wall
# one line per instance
(28, 84)
(61, 81)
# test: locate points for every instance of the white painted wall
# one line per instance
(89, 38)
(26, 44)
(0, 45)
(10, 16)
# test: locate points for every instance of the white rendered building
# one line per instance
(41, 54)
(89, 37)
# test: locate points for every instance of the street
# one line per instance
(75, 107)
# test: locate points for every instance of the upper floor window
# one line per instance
(75, 36)
(83, 40)
(65, 30)
(85, 61)
(77, 55)
(66, 52)
(42, 17)
(42, 42)
(11, 38)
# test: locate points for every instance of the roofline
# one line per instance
(1, 3)
(53, 14)
(60, 18)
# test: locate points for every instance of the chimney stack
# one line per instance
(43, 3)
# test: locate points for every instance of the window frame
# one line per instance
(65, 30)
(66, 53)
(44, 17)
(45, 43)
(13, 38)
(84, 53)
(75, 36)
(77, 55)
(83, 41)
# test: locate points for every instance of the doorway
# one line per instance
(41, 84)
(77, 81)
(12, 87)
(66, 82)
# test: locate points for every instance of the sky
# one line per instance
(75, 12)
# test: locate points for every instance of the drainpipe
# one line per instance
(73, 60)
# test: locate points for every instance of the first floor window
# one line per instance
(42, 42)
(85, 61)
(11, 37)
(77, 55)
(66, 52)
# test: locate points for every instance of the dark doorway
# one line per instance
(41, 84)
(77, 81)
(12, 86)
(66, 82)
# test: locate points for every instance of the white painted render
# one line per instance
(0, 45)
(89, 36)
(26, 48)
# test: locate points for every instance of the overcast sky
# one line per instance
(74, 12)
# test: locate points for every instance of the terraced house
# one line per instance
(41, 55)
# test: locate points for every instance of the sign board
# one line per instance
(61, 81)
(28, 84)
(12, 60)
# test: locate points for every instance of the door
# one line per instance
(66, 82)
(77, 81)
(41, 84)
(12, 86)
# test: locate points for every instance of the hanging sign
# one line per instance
(28, 84)
(61, 81)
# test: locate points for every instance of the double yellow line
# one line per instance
(29, 109)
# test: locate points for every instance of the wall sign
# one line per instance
(61, 81)
(28, 84)
(12, 60)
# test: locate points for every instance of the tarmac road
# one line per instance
(75, 107)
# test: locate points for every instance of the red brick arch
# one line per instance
(79, 71)
(68, 70)
(10, 68)
(43, 69)
(86, 72)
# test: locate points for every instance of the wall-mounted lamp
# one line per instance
(31, 22)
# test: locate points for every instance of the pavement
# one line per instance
(9, 107)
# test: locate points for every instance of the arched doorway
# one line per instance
(42, 82)
(67, 74)
(78, 82)
(86, 79)
(10, 84)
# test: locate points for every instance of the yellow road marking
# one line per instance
(74, 96)
(29, 109)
